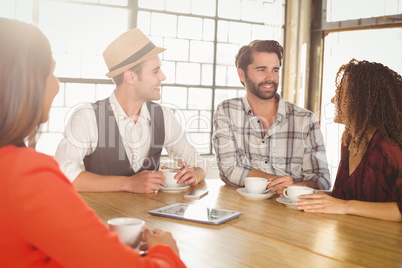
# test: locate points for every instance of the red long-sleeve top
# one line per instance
(45, 223)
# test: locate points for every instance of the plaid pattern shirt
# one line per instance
(292, 146)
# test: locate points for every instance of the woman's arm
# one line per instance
(322, 203)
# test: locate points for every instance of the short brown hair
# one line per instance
(245, 55)
(25, 63)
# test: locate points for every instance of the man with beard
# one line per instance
(262, 135)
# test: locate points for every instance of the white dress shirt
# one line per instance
(81, 137)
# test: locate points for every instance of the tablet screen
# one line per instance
(196, 213)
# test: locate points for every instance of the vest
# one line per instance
(109, 157)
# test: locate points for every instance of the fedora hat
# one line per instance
(128, 50)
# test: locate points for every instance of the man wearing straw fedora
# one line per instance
(120, 139)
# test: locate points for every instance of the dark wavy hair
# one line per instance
(245, 55)
(372, 98)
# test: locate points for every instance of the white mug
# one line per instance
(128, 229)
(293, 192)
(169, 174)
(256, 185)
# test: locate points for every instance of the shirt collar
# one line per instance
(121, 115)
(281, 107)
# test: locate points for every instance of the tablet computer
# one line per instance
(196, 213)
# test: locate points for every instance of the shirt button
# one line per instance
(263, 141)
(266, 162)
(258, 121)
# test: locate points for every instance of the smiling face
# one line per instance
(148, 85)
(262, 76)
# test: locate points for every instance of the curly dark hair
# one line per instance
(244, 57)
(373, 98)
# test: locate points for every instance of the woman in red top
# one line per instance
(368, 101)
(44, 222)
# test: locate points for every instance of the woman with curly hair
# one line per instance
(368, 101)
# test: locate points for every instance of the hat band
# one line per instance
(136, 56)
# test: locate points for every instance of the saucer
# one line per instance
(286, 201)
(243, 192)
(178, 189)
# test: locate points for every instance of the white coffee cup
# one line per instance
(256, 185)
(128, 229)
(169, 174)
(293, 192)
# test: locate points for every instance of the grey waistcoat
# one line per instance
(109, 157)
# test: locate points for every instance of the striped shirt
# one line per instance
(293, 145)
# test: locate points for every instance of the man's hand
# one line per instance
(145, 182)
(186, 174)
(279, 183)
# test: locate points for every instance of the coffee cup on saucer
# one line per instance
(256, 185)
(169, 174)
(293, 192)
(128, 229)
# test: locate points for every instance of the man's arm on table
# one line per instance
(142, 182)
(279, 183)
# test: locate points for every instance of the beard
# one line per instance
(261, 94)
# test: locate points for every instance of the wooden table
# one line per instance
(268, 234)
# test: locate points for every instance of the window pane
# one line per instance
(152, 4)
(176, 49)
(182, 6)
(24, 10)
(163, 25)
(274, 13)
(190, 28)
(233, 77)
(58, 101)
(169, 69)
(220, 79)
(175, 97)
(114, 2)
(201, 141)
(229, 9)
(67, 65)
(188, 73)
(200, 98)
(223, 31)
(144, 22)
(7, 9)
(226, 53)
(224, 94)
(79, 34)
(239, 33)
(205, 121)
(104, 91)
(191, 119)
(203, 7)
(78, 93)
(93, 66)
(208, 33)
(348, 10)
(207, 74)
(201, 51)
(252, 11)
